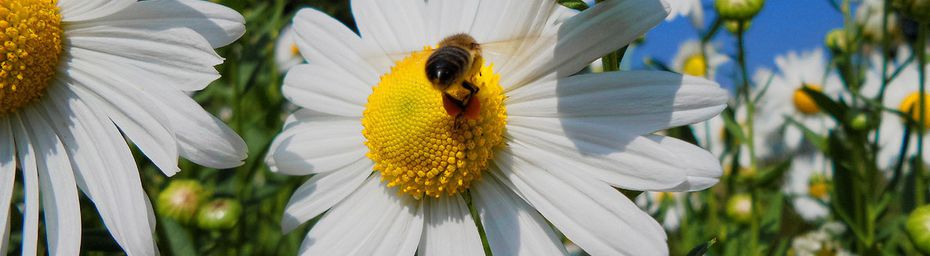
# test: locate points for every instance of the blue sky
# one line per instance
(782, 26)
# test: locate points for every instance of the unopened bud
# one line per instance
(739, 208)
(219, 214)
(738, 9)
(837, 41)
(180, 200)
(918, 228)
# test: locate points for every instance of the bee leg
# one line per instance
(472, 104)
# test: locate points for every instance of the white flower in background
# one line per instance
(784, 97)
(390, 165)
(670, 204)
(902, 94)
(869, 16)
(691, 61)
(712, 134)
(809, 182)
(823, 241)
(690, 8)
(89, 73)
(286, 53)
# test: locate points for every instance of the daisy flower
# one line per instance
(286, 53)
(869, 15)
(396, 174)
(690, 8)
(691, 61)
(785, 97)
(79, 76)
(808, 183)
(902, 94)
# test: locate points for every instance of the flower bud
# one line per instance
(918, 10)
(860, 122)
(918, 228)
(739, 208)
(219, 214)
(837, 41)
(180, 200)
(738, 9)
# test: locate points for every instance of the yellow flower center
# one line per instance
(416, 145)
(695, 65)
(818, 187)
(30, 32)
(803, 102)
(294, 50)
(911, 106)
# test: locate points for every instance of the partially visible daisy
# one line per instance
(808, 184)
(902, 94)
(869, 15)
(286, 53)
(79, 76)
(785, 99)
(823, 241)
(690, 8)
(392, 168)
(714, 136)
(690, 60)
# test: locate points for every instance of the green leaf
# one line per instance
(702, 249)
(769, 174)
(574, 4)
(180, 241)
(817, 140)
(835, 109)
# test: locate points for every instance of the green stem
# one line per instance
(920, 49)
(755, 228)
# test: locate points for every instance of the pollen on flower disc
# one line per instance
(30, 33)
(416, 145)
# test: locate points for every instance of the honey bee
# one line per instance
(449, 69)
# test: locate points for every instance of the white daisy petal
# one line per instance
(512, 226)
(56, 181)
(598, 218)
(322, 39)
(130, 109)
(106, 172)
(582, 38)
(7, 179)
(613, 157)
(445, 18)
(323, 145)
(218, 24)
(373, 220)
(449, 228)
(178, 57)
(78, 10)
(324, 89)
(636, 101)
(323, 191)
(395, 26)
(27, 163)
(512, 30)
(202, 138)
(702, 168)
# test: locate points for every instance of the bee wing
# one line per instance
(501, 52)
(390, 57)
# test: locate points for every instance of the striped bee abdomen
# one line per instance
(446, 65)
